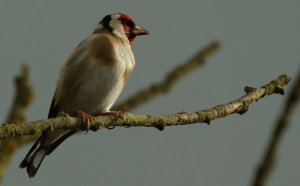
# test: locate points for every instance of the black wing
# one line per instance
(54, 110)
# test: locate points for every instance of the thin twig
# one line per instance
(267, 162)
(239, 106)
(24, 96)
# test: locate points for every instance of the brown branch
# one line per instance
(171, 78)
(239, 106)
(267, 162)
(154, 90)
(23, 98)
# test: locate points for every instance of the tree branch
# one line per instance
(239, 106)
(24, 96)
(171, 78)
(154, 90)
(164, 86)
(267, 162)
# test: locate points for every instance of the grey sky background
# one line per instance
(260, 41)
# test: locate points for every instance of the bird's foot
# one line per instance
(118, 114)
(86, 119)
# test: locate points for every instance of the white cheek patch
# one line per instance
(115, 16)
(114, 23)
(117, 27)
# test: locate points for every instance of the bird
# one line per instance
(89, 82)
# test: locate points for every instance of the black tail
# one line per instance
(46, 143)
(34, 158)
(40, 149)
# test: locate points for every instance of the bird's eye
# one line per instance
(127, 22)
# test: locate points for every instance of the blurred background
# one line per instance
(260, 41)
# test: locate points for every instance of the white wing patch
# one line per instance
(38, 158)
(30, 156)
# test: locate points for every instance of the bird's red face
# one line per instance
(112, 23)
(131, 30)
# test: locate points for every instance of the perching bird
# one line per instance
(90, 81)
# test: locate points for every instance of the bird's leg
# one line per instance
(85, 118)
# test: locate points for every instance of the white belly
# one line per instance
(94, 88)
(100, 89)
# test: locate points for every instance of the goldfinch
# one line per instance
(90, 81)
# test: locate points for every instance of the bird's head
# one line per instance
(122, 25)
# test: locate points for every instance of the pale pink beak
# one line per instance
(138, 31)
